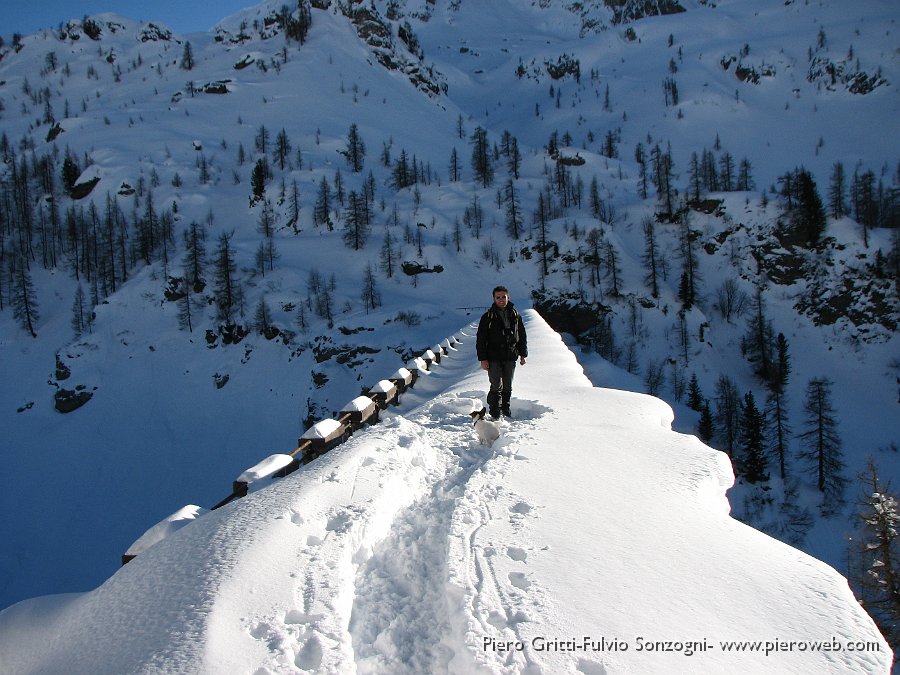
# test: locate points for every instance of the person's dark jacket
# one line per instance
(501, 335)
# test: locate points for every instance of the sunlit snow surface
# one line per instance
(590, 538)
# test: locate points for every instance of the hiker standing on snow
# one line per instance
(500, 341)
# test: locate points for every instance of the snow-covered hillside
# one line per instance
(233, 137)
(589, 538)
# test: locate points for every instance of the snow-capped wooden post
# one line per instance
(322, 436)
(384, 393)
(417, 366)
(429, 357)
(361, 410)
(403, 379)
(271, 467)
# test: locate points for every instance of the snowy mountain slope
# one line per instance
(158, 431)
(412, 548)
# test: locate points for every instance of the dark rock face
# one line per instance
(413, 268)
(63, 372)
(67, 400)
(568, 314)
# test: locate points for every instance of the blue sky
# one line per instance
(182, 16)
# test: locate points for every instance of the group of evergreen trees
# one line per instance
(758, 437)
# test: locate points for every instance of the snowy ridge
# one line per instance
(411, 548)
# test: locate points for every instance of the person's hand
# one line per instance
(485, 365)
(521, 360)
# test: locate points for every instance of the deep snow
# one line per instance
(589, 538)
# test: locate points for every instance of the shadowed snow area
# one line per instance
(589, 538)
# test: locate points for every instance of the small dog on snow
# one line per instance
(487, 431)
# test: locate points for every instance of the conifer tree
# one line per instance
(865, 202)
(822, 444)
(356, 220)
(662, 170)
(265, 224)
(757, 343)
(777, 425)
(185, 307)
(809, 215)
(24, 301)
(695, 396)
(194, 259)
(282, 149)
(262, 317)
(149, 235)
(727, 414)
(473, 216)
(482, 163)
(595, 201)
(370, 296)
(694, 181)
(187, 57)
(640, 157)
(651, 257)
(226, 285)
(726, 171)
(593, 257)
(355, 151)
(300, 319)
(513, 157)
(388, 254)
(78, 311)
(687, 289)
(613, 269)
(368, 193)
(402, 174)
(513, 210)
(258, 178)
(745, 178)
(752, 441)
(261, 140)
(454, 166)
(322, 209)
(837, 191)
(294, 206)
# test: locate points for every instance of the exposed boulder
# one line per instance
(413, 268)
(67, 400)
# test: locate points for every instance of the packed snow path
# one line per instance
(589, 538)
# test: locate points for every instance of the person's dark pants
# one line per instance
(500, 374)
